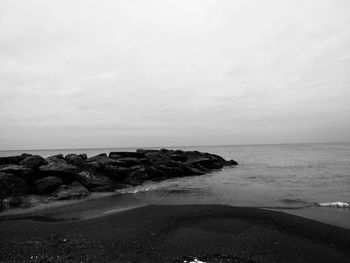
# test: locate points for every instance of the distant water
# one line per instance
(292, 178)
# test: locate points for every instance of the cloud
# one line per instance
(128, 73)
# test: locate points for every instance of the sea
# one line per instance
(311, 180)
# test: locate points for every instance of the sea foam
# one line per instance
(335, 204)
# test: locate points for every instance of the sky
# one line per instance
(86, 74)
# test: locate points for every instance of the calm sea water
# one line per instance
(291, 178)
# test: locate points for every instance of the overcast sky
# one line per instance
(147, 73)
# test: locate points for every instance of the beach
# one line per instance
(180, 233)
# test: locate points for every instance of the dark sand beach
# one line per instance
(210, 233)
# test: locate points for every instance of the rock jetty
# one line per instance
(76, 176)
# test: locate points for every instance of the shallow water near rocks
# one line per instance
(291, 178)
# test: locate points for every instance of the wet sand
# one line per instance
(211, 233)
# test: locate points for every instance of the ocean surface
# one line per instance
(292, 178)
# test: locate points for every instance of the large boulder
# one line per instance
(83, 155)
(48, 184)
(21, 171)
(74, 190)
(11, 185)
(157, 159)
(137, 176)
(97, 157)
(117, 173)
(33, 161)
(60, 168)
(59, 156)
(10, 160)
(128, 161)
(128, 154)
(93, 180)
(208, 163)
(75, 159)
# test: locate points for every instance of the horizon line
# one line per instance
(165, 146)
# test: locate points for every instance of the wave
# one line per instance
(334, 204)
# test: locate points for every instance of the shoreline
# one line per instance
(163, 233)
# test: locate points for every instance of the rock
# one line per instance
(75, 159)
(205, 162)
(33, 161)
(231, 162)
(91, 180)
(157, 158)
(48, 184)
(11, 185)
(58, 156)
(191, 170)
(137, 176)
(98, 157)
(128, 154)
(177, 157)
(101, 159)
(144, 151)
(15, 201)
(83, 155)
(154, 173)
(25, 155)
(128, 161)
(21, 171)
(117, 173)
(60, 168)
(74, 190)
(10, 160)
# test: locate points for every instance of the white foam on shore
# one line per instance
(134, 190)
(335, 204)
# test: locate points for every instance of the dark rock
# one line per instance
(15, 201)
(74, 190)
(177, 157)
(115, 156)
(231, 162)
(128, 161)
(91, 180)
(137, 176)
(10, 160)
(95, 158)
(99, 163)
(33, 161)
(83, 155)
(117, 173)
(192, 170)
(128, 154)
(21, 171)
(205, 162)
(75, 159)
(157, 158)
(11, 185)
(60, 168)
(25, 155)
(59, 156)
(101, 159)
(154, 173)
(48, 184)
